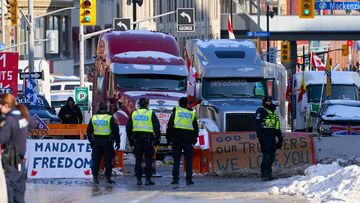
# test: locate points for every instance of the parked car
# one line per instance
(43, 109)
(338, 118)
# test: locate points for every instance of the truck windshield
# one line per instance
(349, 92)
(152, 82)
(233, 87)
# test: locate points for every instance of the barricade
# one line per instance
(200, 161)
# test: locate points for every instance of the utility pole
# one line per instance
(81, 55)
(2, 21)
(134, 13)
(31, 30)
(267, 29)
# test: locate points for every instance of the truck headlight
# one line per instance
(324, 129)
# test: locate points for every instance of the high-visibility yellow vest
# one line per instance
(101, 124)
(142, 120)
(184, 118)
(271, 121)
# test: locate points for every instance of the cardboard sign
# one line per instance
(233, 152)
(163, 120)
(59, 159)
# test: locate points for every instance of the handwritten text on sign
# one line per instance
(232, 152)
(9, 72)
(59, 159)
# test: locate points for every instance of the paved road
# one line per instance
(206, 189)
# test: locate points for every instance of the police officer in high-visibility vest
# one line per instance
(267, 128)
(143, 131)
(182, 132)
(102, 131)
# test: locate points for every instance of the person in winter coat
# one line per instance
(70, 113)
(102, 131)
(13, 133)
(267, 128)
(182, 131)
(143, 131)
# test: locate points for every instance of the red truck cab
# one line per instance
(135, 64)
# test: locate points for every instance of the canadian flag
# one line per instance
(316, 61)
(231, 32)
(192, 77)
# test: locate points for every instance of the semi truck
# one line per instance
(135, 64)
(344, 85)
(231, 83)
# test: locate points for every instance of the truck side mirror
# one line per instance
(198, 90)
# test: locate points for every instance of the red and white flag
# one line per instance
(230, 28)
(316, 62)
(192, 77)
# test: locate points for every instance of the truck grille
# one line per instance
(236, 122)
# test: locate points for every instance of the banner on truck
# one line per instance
(58, 159)
(233, 152)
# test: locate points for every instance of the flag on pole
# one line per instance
(230, 29)
(30, 91)
(328, 77)
(302, 90)
(192, 77)
(316, 62)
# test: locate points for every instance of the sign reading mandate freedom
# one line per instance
(59, 159)
(233, 152)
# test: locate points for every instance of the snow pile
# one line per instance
(329, 183)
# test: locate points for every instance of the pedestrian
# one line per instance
(70, 113)
(267, 128)
(102, 131)
(13, 133)
(182, 132)
(143, 131)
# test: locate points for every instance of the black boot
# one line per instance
(149, 181)
(189, 182)
(175, 181)
(95, 180)
(108, 180)
(139, 181)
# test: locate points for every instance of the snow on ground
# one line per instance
(323, 183)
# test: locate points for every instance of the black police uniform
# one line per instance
(182, 139)
(103, 146)
(144, 144)
(266, 136)
(13, 134)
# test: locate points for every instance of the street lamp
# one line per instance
(267, 29)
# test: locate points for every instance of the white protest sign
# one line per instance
(122, 130)
(59, 159)
(203, 139)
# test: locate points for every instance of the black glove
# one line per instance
(117, 146)
(156, 142)
(279, 142)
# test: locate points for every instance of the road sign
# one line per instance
(82, 97)
(121, 24)
(9, 62)
(185, 20)
(39, 123)
(337, 5)
(257, 34)
(34, 75)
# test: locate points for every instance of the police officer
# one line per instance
(102, 132)
(140, 130)
(182, 131)
(267, 128)
(13, 133)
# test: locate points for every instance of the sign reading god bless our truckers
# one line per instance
(58, 159)
(234, 152)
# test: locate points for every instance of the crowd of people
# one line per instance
(143, 132)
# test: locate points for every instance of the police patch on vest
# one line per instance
(100, 122)
(184, 115)
(141, 118)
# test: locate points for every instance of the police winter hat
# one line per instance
(103, 106)
(143, 102)
(183, 102)
(267, 98)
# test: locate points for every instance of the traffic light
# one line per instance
(285, 52)
(345, 50)
(12, 14)
(307, 9)
(87, 12)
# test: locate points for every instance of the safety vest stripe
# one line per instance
(184, 118)
(101, 124)
(142, 120)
